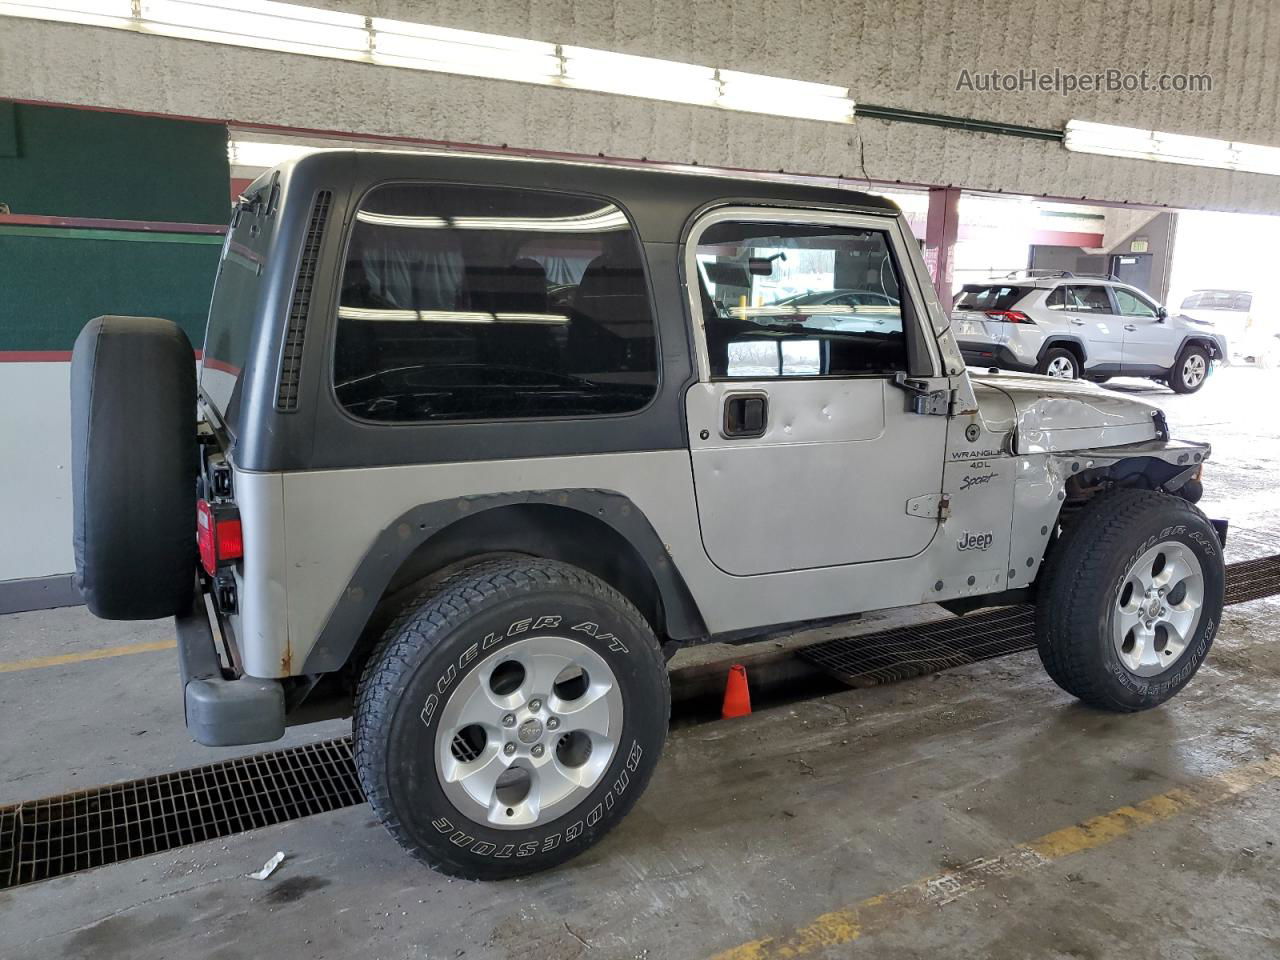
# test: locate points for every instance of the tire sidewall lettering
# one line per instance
(1161, 686)
(460, 832)
(456, 669)
(460, 837)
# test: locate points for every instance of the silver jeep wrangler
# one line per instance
(480, 440)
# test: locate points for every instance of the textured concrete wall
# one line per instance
(903, 54)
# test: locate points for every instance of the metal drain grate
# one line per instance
(906, 652)
(1253, 580)
(59, 835)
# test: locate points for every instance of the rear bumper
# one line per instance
(978, 354)
(222, 711)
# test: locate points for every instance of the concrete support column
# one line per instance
(941, 229)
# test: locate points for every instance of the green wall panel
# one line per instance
(55, 284)
(93, 163)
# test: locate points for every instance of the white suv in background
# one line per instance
(1067, 325)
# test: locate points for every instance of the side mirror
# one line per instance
(1162, 314)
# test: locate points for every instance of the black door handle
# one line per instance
(745, 415)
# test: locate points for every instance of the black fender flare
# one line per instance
(1200, 340)
(416, 527)
(1057, 338)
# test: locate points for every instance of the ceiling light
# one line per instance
(98, 13)
(1115, 141)
(259, 23)
(424, 47)
(633, 76)
(314, 31)
(263, 154)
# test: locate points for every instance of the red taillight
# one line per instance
(218, 535)
(1009, 316)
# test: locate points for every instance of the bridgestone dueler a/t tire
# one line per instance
(427, 652)
(133, 467)
(1083, 578)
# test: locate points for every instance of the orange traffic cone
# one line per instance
(737, 697)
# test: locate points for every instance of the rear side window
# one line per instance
(233, 310)
(995, 296)
(475, 303)
(1087, 299)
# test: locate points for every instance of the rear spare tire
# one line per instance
(133, 463)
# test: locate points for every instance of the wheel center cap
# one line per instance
(1153, 608)
(530, 730)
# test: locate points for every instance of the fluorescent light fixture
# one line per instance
(755, 93)
(423, 47)
(97, 13)
(263, 24)
(633, 76)
(1084, 136)
(258, 153)
(314, 31)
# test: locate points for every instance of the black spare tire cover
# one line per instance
(134, 462)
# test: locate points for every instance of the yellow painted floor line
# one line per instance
(845, 925)
(100, 654)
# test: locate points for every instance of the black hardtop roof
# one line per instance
(660, 200)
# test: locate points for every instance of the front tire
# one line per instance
(1131, 600)
(510, 717)
(1190, 372)
(1060, 363)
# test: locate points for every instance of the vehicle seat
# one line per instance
(612, 325)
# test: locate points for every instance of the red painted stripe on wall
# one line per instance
(35, 356)
(90, 223)
(1066, 238)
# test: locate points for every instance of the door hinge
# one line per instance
(931, 506)
(922, 398)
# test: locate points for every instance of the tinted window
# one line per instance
(1057, 299)
(1090, 299)
(490, 303)
(1132, 305)
(996, 296)
(783, 300)
(233, 310)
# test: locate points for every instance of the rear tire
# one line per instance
(510, 717)
(1190, 371)
(1060, 363)
(1131, 599)
(133, 467)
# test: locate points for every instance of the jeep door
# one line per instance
(804, 450)
(1148, 343)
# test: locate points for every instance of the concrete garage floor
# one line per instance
(938, 816)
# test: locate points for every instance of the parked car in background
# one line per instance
(1070, 326)
(1251, 329)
